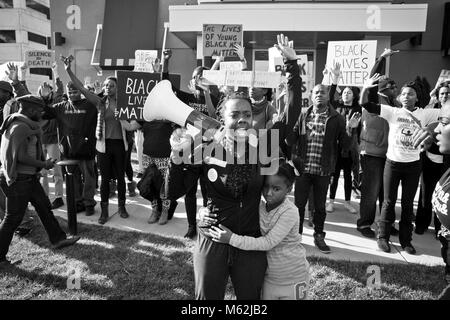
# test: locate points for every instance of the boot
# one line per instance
(123, 212)
(165, 212)
(191, 233)
(104, 215)
(154, 216)
(112, 188)
(131, 189)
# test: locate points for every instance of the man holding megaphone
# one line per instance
(232, 167)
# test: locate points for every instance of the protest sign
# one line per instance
(231, 65)
(216, 77)
(40, 58)
(234, 78)
(144, 60)
(444, 76)
(133, 89)
(221, 38)
(356, 58)
(275, 60)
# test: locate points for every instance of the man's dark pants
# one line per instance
(408, 174)
(431, 173)
(371, 189)
(26, 189)
(215, 262)
(319, 185)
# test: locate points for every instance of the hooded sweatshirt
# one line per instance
(15, 130)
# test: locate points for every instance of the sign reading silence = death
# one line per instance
(39, 58)
(356, 58)
(221, 38)
(133, 89)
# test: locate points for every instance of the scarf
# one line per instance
(101, 107)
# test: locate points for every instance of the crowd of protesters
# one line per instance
(377, 135)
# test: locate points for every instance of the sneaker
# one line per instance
(367, 232)
(66, 242)
(191, 233)
(57, 203)
(349, 207)
(409, 249)
(394, 231)
(329, 207)
(22, 232)
(319, 242)
(383, 245)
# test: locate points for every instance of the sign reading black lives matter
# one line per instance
(133, 89)
(219, 38)
(356, 58)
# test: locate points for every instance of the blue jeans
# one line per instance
(408, 174)
(319, 186)
(371, 189)
(215, 262)
(26, 189)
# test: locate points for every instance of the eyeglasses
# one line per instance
(444, 121)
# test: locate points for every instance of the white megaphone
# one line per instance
(162, 104)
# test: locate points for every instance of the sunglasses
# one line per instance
(444, 121)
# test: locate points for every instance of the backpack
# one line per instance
(150, 184)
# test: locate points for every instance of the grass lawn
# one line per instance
(115, 264)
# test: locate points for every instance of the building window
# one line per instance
(5, 4)
(7, 36)
(38, 7)
(37, 38)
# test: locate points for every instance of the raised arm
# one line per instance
(13, 74)
(370, 106)
(294, 83)
(90, 96)
(279, 231)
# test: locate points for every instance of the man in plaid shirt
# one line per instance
(315, 138)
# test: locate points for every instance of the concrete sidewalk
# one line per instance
(345, 241)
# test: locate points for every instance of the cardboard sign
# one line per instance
(275, 60)
(257, 79)
(40, 58)
(231, 65)
(144, 60)
(356, 58)
(444, 76)
(221, 38)
(133, 89)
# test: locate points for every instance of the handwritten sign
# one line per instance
(221, 38)
(231, 65)
(39, 58)
(275, 60)
(356, 58)
(133, 89)
(444, 76)
(261, 79)
(144, 60)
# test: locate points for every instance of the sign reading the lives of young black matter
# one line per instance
(221, 38)
(133, 89)
(356, 58)
(39, 58)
